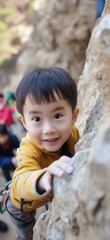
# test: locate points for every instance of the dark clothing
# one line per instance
(6, 154)
(7, 150)
(6, 171)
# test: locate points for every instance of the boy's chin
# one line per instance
(53, 150)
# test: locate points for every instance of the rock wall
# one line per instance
(61, 34)
(80, 208)
(94, 83)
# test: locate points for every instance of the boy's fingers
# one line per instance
(67, 169)
(67, 160)
(48, 188)
(61, 170)
(55, 170)
(48, 183)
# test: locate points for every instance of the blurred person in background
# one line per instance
(11, 101)
(6, 117)
(8, 145)
(10, 97)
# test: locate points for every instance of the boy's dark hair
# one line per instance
(42, 84)
(3, 130)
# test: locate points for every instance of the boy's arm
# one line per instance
(30, 182)
(24, 186)
(58, 168)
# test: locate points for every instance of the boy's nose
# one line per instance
(48, 128)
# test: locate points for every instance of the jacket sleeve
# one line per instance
(26, 175)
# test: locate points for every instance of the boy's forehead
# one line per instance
(41, 99)
(31, 104)
(30, 98)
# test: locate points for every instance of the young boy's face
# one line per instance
(49, 124)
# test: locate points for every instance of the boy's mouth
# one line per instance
(51, 140)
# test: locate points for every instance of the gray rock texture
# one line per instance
(80, 209)
(61, 34)
(81, 205)
(94, 83)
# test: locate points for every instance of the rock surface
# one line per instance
(80, 208)
(81, 205)
(95, 79)
(61, 34)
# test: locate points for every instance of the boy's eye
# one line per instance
(57, 116)
(36, 119)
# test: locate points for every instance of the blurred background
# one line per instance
(38, 33)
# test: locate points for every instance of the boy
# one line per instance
(46, 100)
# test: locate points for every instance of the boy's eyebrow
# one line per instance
(34, 112)
(58, 108)
(55, 109)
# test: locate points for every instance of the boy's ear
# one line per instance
(75, 115)
(21, 118)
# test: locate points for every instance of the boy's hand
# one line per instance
(58, 168)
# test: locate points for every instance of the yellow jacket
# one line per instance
(33, 161)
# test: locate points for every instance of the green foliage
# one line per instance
(6, 48)
(4, 32)
(30, 8)
(7, 15)
(5, 35)
(6, 11)
(7, 63)
(3, 26)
